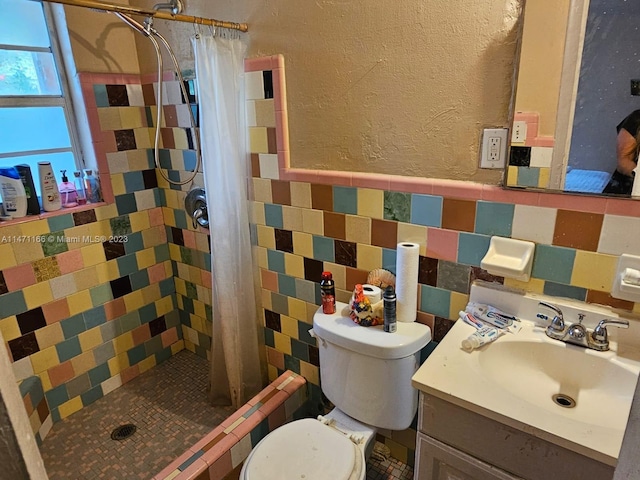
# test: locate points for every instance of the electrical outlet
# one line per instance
(494, 148)
(519, 133)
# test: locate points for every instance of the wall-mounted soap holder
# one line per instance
(626, 282)
(195, 204)
(509, 258)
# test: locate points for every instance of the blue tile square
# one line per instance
(303, 333)
(389, 259)
(435, 301)
(190, 159)
(275, 261)
(12, 303)
(345, 200)
(323, 249)
(259, 432)
(163, 355)
(126, 204)
(291, 363)
(133, 181)
(528, 176)
(136, 354)
(94, 317)
(472, 248)
(127, 264)
(139, 279)
(273, 215)
(181, 219)
(73, 326)
(269, 337)
(279, 303)
(299, 350)
(553, 263)
(101, 294)
(134, 243)
(164, 158)
(287, 285)
(57, 396)
(567, 291)
(68, 349)
(91, 395)
(167, 287)
(494, 218)
(99, 374)
(100, 93)
(426, 210)
(161, 252)
(148, 313)
(61, 222)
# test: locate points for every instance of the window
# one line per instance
(36, 118)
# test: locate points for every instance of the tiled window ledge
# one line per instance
(45, 215)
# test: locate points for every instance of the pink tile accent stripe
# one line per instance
(212, 453)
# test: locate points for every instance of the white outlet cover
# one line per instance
(487, 135)
(519, 132)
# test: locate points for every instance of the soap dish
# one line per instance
(510, 258)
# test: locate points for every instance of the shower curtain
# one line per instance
(235, 374)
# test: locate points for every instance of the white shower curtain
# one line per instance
(235, 361)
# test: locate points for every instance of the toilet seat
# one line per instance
(305, 449)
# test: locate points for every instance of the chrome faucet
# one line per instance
(577, 333)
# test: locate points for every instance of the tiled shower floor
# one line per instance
(168, 405)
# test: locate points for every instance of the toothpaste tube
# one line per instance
(480, 337)
(494, 317)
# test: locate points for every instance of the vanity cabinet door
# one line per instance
(437, 461)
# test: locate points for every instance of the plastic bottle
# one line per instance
(68, 195)
(328, 293)
(14, 198)
(78, 182)
(92, 187)
(48, 188)
(389, 312)
(33, 207)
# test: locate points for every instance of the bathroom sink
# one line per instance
(573, 397)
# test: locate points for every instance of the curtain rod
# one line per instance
(153, 13)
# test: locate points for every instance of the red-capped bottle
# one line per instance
(328, 293)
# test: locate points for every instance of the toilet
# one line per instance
(366, 373)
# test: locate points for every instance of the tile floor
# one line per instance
(169, 407)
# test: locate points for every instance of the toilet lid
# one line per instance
(304, 449)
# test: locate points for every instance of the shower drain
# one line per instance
(123, 431)
(563, 400)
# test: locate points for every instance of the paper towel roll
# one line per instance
(373, 293)
(631, 276)
(407, 281)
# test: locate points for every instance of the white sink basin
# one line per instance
(513, 380)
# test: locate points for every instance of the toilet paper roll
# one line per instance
(373, 293)
(407, 281)
(631, 276)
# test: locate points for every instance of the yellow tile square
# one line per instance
(147, 364)
(46, 381)
(202, 242)
(146, 258)
(594, 271)
(297, 309)
(78, 237)
(93, 254)
(164, 305)
(169, 217)
(139, 221)
(292, 218)
(534, 285)
(142, 137)
(339, 273)
(79, 302)
(370, 203)
(313, 221)
(174, 252)
(137, 160)
(180, 139)
(109, 118)
(294, 265)
(512, 176)
(300, 194)
(266, 237)
(257, 213)
(90, 339)
(310, 372)
(7, 259)
(369, 257)
(258, 142)
(289, 326)
(117, 183)
(106, 212)
(72, 406)
(113, 271)
(181, 286)
(9, 328)
(199, 309)
(178, 346)
(458, 301)
(272, 372)
(99, 229)
(261, 255)
(130, 117)
(262, 190)
(83, 363)
(123, 343)
(408, 232)
(282, 342)
(265, 113)
(34, 228)
(266, 301)
(151, 293)
(543, 177)
(133, 301)
(86, 278)
(37, 295)
(358, 229)
(27, 252)
(49, 335)
(44, 359)
(118, 363)
(303, 244)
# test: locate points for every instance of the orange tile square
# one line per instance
(384, 233)
(355, 276)
(61, 373)
(56, 311)
(580, 230)
(70, 261)
(115, 308)
(169, 337)
(141, 334)
(442, 244)
(269, 280)
(335, 226)
(458, 214)
(156, 273)
(281, 192)
(129, 374)
(16, 278)
(322, 197)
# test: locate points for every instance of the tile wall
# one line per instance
(350, 223)
(529, 160)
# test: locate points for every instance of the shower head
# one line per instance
(133, 23)
(175, 6)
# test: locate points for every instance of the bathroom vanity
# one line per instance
(526, 406)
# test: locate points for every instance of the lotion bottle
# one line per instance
(48, 188)
(68, 195)
(14, 198)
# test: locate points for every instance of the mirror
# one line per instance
(576, 83)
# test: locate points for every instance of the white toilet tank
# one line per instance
(365, 371)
